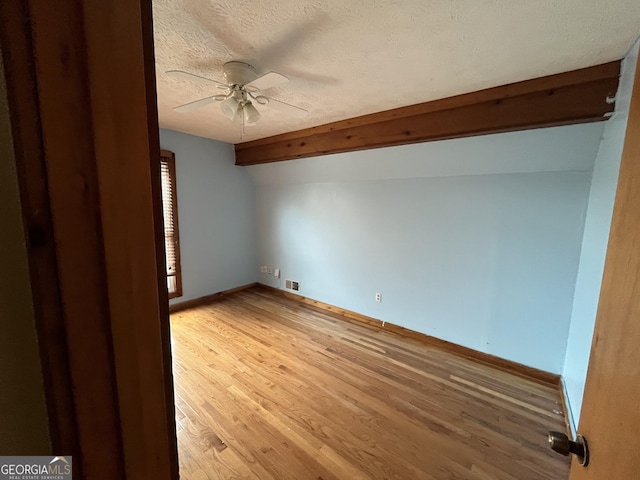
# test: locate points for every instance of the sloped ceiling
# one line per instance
(347, 58)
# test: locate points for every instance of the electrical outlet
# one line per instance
(295, 286)
(378, 297)
(269, 270)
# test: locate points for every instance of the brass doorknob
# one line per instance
(559, 442)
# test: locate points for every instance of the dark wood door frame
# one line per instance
(81, 88)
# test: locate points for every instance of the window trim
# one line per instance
(171, 162)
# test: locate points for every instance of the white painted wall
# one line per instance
(596, 238)
(466, 251)
(216, 214)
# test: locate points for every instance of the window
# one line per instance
(170, 215)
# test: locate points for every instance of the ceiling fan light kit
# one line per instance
(243, 85)
(237, 108)
(251, 114)
(229, 107)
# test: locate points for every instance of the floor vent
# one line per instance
(291, 285)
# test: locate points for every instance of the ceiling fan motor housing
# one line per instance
(239, 73)
(243, 88)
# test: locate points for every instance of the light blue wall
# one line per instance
(594, 245)
(571, 148)
(488, 261)
(216, 213)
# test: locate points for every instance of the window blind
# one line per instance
(170, 216)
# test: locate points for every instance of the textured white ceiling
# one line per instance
(347, 58)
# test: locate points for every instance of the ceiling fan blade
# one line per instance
(268, 80)
(287, 109)
(187, 107)
(195, 78)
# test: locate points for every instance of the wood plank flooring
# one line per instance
(270, 389)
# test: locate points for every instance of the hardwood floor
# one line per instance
(267, 388)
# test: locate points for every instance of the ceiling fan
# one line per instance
(244, 87)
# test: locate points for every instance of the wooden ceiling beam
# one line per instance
(579, 96)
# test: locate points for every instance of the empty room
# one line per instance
(321, 240)
(367, 283)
